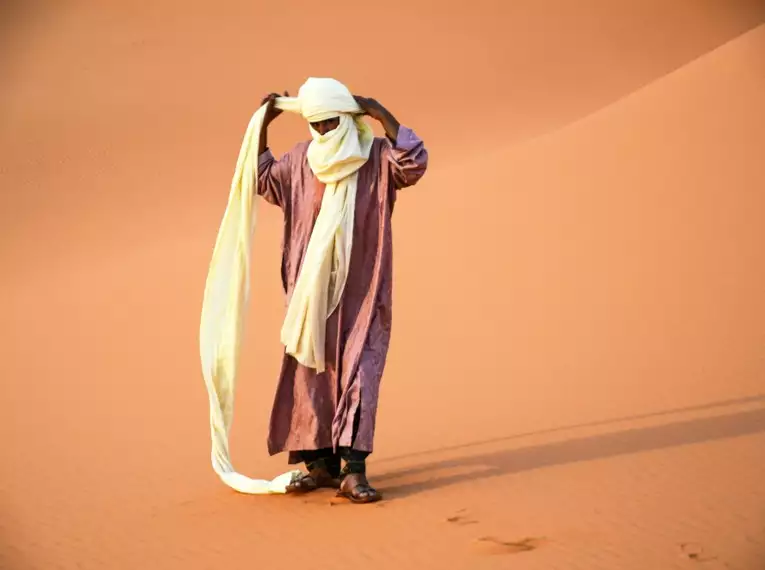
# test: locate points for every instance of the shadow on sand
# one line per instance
(624, 442)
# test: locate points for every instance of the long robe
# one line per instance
(338, 407)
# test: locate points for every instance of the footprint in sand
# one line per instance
(494, 546)
(461, 519)
(694, 551)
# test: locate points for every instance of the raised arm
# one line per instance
(274, 180)
(405, 156)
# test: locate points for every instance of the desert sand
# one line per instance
(577, 373)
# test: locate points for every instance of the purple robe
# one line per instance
(337, 408)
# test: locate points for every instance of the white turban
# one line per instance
(319, 99)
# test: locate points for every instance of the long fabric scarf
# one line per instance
(335, 159)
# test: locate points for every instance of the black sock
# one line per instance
(355, 461)
(322, 459)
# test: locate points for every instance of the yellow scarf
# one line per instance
(335, 159)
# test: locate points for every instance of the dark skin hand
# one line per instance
(379, 113)
(369, 107)
(271, 113)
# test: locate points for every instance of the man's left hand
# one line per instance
(370, 107)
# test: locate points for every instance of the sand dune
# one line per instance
(576, 372)
(149, 105)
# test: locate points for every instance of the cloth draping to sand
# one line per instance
(335, 159)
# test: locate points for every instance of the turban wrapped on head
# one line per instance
(319, 99)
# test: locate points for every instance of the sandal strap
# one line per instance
(352, 482)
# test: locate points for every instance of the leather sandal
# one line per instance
(356, 488)
(315, 479)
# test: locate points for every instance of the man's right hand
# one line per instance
(271, 111)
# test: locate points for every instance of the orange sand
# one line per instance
(578, 343)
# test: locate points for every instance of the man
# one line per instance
(326, 420)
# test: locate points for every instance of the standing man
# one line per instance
(326, 419)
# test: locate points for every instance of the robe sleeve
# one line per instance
(274, 178)
(406, 160)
